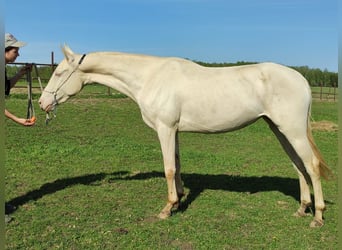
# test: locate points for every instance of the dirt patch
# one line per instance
(24, 90)
(324, 126)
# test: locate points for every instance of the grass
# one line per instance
(93, 179)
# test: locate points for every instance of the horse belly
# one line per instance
(219, 118)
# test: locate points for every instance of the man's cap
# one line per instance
(11, 41)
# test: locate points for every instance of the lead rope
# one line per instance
(47, 118)
(54, 112)
(30, 109)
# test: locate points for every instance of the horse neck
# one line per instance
(124, 72)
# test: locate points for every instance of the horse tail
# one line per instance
(324, 169)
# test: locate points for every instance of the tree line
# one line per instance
(315, 76)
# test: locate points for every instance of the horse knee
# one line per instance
(170, 173)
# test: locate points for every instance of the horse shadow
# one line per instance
(196, 183)
(55, 186)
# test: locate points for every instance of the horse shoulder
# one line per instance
(160, 97)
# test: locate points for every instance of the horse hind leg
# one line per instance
(320, 169)
(305, 197)
(307, 164)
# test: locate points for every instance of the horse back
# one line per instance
(204, 99)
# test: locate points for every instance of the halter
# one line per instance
(55, 92)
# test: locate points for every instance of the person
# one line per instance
(12, 46)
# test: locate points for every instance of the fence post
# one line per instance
(52, 61)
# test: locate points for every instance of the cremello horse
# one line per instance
(176, 95)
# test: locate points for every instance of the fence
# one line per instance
(324, 93)
(320, 92)
(35, 70)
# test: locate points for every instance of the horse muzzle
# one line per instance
(49, 108)
(47, 102)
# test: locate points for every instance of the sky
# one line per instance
(290, 32)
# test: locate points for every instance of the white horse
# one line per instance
(176, 95)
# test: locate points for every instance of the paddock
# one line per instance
(94, 179)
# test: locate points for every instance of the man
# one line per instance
(12, 46)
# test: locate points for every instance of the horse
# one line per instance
(177, 95)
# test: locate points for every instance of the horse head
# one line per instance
(66, 81)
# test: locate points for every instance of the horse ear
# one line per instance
(68, 53)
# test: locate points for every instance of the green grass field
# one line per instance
(93, 179)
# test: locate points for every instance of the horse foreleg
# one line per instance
(167, 138)
(179, 185)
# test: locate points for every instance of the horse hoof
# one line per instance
(316, 223)
(164, 215)
(300, 214)
(175, 206)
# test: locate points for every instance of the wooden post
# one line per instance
(52, 61)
